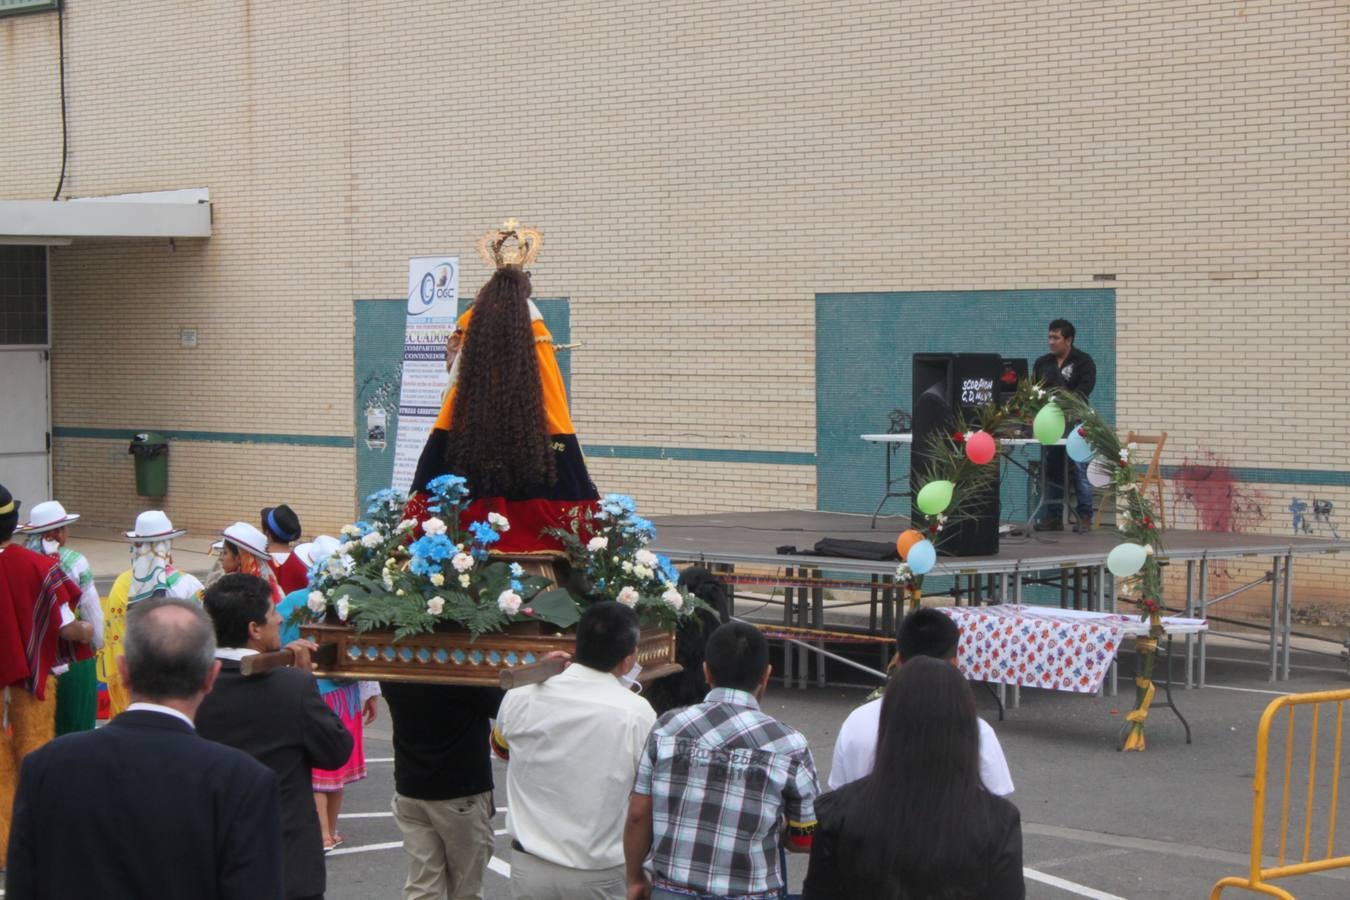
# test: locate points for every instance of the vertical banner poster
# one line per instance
(433, 300)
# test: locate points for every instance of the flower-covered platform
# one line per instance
(429, 600)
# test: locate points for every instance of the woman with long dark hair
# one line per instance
(504, 425)
(922, 824)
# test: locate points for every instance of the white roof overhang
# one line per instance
(160, 214)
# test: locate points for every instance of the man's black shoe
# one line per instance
(1053, 525)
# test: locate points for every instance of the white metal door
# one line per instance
(25, 466)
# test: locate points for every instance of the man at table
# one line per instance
(924, 632)
(1068, 368)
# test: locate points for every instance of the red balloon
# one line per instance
(980, 448)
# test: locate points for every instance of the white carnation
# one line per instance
(643, 572)
(350, 531)
(462, 562)
(407, 525)
(596, 544)
(374, 539)
(673, 598)
(465, 580)
(433, 526)
(436, 605)
(343, 608)
(317, 603)
(499, 522)
(627, 566)
(646, 558)
(509, 602)
(437, 579)
(388, 580)
(628, 596)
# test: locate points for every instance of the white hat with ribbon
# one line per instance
(246, 537)
(153, 525)
(47, 516)
(318, 549)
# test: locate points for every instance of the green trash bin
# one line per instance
(151, 452)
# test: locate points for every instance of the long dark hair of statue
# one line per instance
(498, 434)
(922, 808)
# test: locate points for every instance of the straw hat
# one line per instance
(246, 537)
(153, 525)
(47, 516)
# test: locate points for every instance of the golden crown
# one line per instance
(513, 244)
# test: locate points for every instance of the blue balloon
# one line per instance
(1077, 446)
(922, 557)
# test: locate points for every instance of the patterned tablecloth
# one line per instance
(1038, 647)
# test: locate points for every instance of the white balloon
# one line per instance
(1099, 473)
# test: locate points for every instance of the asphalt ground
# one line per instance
(1168, 822)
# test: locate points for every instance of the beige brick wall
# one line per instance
(701, 171)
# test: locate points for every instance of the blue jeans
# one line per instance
(1054, 459)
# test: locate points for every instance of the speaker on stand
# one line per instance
(943, 384)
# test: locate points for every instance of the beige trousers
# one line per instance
(533, 878)
(33, 723)
(448, 844)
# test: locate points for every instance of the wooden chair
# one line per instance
(1152, 477)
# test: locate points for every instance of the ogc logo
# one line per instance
(435, 285)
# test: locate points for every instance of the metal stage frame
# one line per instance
(1075, 563)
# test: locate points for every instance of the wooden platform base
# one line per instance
(450, 657)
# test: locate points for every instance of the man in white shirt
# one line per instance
(924, 632)
(573, 743)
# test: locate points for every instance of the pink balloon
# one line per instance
(980, 448)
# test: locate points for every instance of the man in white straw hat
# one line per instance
(47, 531)
(152, 573)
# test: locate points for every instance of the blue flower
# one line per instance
(423, 566)
(516, 586)
(484, 534)
(668, 570)
(516, 570)
(448, 487)
(636, 525)
(433, 547)
(618, 504)
(387, 499)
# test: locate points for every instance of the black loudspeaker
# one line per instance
(944, 383)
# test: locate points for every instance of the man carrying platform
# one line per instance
(565, 814)
(1068, 368)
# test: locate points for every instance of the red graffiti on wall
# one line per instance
(1218, 500)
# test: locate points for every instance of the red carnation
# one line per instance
(959, 437)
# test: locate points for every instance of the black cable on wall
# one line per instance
(61, 43)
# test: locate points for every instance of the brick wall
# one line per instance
(701, 171)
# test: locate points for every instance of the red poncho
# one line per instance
(32, 590)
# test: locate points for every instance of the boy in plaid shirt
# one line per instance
(720, 786)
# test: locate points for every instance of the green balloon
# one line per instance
(1048, 426)
(934, 497)
(1126, 560)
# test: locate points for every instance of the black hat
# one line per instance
(281, 523)
(9, 513)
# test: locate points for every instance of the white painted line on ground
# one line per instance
(501, 868)
(364, 848)
(374, 815)
(1070, 886)
(499, 833)
(371, 759)
(1224, 687)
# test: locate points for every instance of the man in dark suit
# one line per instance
(161, 812)
(276, 717)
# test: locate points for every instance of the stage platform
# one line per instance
(1076, 563)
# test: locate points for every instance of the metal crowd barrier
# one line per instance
(1259, 877)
